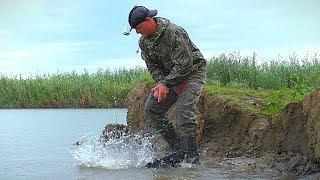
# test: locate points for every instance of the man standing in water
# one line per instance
(178, 67)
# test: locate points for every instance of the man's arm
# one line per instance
(181, 56)
(156, 73)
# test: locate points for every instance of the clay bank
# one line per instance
(288, 142)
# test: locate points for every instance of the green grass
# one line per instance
(265, 102)
(104, 89)
(276, 74)
(263, 89)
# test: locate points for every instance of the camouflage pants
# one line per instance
(185, 103)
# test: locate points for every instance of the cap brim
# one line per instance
(152, 13)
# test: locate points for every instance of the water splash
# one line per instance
(115, 153)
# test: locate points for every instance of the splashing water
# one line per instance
(115, 153)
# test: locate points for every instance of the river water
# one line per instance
(39, 144)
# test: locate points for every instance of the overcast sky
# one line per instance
(46, 36)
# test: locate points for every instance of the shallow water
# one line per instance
(39, 144)
(36, 143)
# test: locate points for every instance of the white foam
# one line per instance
(116, 153)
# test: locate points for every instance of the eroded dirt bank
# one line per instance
(290, 141)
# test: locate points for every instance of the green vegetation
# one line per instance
(246, 72)
(262, 88)
(104, 89)
(260, 102)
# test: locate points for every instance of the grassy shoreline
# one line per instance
(104, 89)
(238, 79)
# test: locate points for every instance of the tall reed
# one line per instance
(106, 89)
(233, 69)
(102, 89)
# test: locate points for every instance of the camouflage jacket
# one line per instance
(170, 55)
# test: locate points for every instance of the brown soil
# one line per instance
(291, 138)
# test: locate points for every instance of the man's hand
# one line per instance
(160, 92)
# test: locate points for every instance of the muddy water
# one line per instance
(39, 144)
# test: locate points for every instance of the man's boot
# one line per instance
(176, 145)
(172, 138)
(192, 154)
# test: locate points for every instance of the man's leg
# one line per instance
(156, 115)
(186, 119)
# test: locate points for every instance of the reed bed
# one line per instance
(277, 82)
(104, 89)
(246, 71)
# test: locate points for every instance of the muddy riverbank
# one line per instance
(288, 142)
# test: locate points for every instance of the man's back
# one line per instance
(171, 48)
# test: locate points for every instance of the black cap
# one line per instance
(138, 14)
